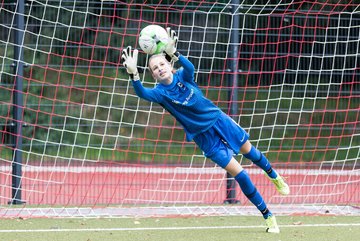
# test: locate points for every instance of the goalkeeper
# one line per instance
(217, 135)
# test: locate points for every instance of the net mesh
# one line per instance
(287, 72)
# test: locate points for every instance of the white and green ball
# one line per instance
(153, 39)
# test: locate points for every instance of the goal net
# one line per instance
(77, 141)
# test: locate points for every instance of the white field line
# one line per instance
(173, 228)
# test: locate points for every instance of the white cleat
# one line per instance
(271, 224)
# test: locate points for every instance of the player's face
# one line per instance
(161, 69)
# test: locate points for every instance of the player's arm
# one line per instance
(173, 55)
(145, 93)
(188, 68)
(130, 62)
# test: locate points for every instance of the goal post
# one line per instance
(287, 72)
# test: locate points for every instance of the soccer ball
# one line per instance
(153, 39)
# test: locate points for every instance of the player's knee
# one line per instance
(234, 167)
(246, 147)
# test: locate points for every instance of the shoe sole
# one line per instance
(268, 230)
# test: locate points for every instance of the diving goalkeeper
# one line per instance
(217, 135)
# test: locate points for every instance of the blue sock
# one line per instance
(251, 193)
(261, 161)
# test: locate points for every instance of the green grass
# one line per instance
(192, 228)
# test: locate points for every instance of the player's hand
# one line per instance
(130, 62)
(170, 48)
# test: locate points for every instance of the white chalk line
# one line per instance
(172, 228)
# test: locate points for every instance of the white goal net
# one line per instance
(77, 141)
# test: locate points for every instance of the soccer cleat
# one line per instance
(271, 224)
(280, 185)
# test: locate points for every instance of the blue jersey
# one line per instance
(184, 100)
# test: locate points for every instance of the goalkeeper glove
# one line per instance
(170, 49)
(130, 62)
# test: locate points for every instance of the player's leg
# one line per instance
(250, 191)
(237, 139)
(247, 186)
(253, 154)
(215, 149)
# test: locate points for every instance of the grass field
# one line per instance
(314, 228)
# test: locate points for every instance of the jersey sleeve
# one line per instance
(188, 71)
(145, 93)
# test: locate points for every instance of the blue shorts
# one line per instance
(222, 140)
